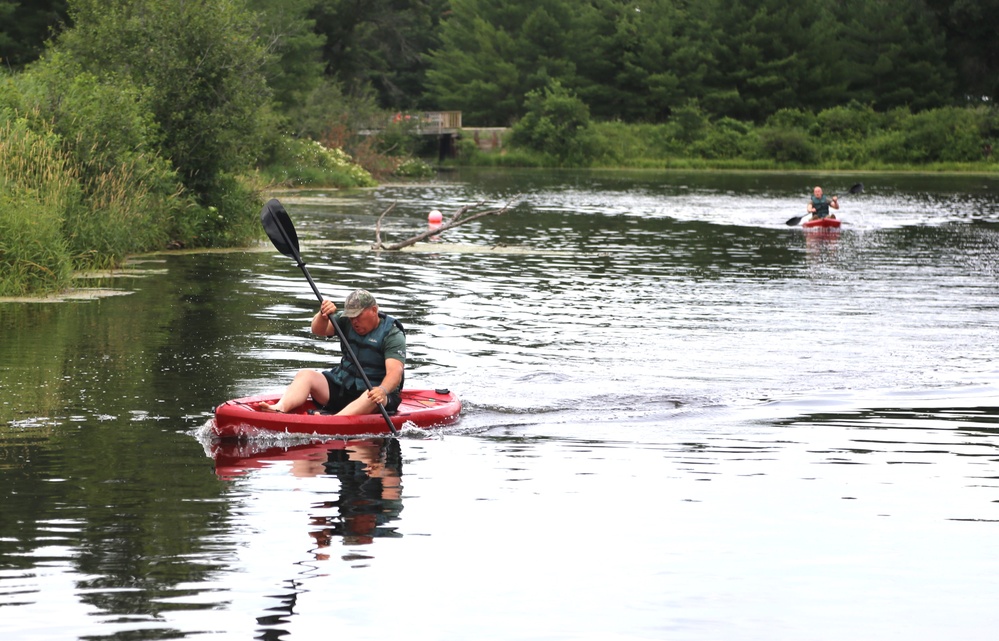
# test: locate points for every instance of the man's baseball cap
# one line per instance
(358, 301)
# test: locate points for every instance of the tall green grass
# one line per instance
(58, 214)
(38, 192)
(123, 215)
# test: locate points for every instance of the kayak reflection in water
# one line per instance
(378, 341)
(819, 205)
(370, 475)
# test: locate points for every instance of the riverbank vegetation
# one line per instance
(131, 125)
(557, 130)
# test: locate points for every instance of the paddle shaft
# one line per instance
(348, 350)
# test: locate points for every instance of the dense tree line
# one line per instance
(638, 61)
(628, 60)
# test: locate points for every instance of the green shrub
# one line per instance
(688, 123)
(848, 137)
(988, 129)
(791, 119)
(557, 124)
(889, 147)
(787, 145)
(328, 107)
(719, 145)
(617, 142)
(725, 139)
(949, 134)
(945, 135)
(234, 218)
(468, 152)
(307, 162)
(415, 168)
(851, 122)
(662, 143)
(854, 152)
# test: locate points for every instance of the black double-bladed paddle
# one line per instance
(856, 189)
(281, 231)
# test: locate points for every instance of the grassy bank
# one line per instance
(66, 208)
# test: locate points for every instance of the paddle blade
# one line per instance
(279, 228)
(791, 222)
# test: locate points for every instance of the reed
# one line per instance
(38, 188)
(123, 215)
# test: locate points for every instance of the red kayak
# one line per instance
(822, 222)
(240, 418)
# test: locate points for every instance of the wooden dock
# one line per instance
(432, 123)
(447, 126)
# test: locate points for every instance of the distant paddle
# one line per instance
(281, 231)
(856, 189)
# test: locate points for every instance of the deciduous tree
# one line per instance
(201, 65)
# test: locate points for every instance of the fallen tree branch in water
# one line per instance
(460, 217)
(378, 227)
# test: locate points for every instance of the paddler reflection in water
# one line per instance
(370, 493)
(819, 205)
(378, 341)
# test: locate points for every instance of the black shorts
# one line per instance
(341, 397)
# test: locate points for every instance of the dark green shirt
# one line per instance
(387, 340)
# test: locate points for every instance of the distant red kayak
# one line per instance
(822, 222)
(240, 418)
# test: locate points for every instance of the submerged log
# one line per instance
(460, 217)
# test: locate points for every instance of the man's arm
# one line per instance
(321, 325)
(393, 375)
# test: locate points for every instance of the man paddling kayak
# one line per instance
(819, 205)
(378, 341)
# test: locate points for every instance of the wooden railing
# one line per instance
(433, 121)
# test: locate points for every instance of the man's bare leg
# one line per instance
(358, 406)
(308, 382)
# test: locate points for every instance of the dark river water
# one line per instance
(682, 419)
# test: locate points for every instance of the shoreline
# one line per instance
(306, 195)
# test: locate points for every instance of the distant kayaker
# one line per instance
(378, 341)
(819, 205)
